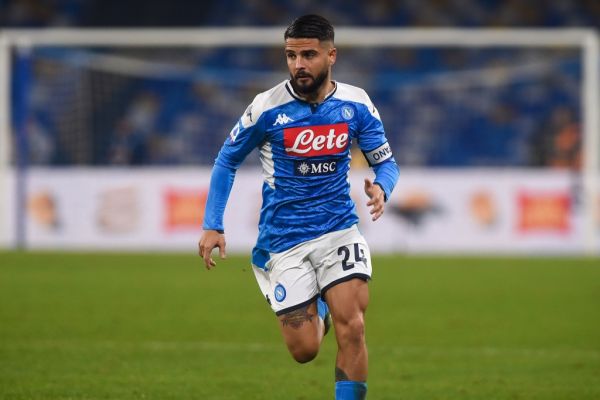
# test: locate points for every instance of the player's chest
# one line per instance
(304, 133)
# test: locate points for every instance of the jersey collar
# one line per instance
(290, 89)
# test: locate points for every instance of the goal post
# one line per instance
(5, 140)
(586, 40)
(591, 138)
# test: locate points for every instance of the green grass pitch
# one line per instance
(159, 326)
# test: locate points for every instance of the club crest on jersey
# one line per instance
(314, 168)
(318, 140)
(279, 292)
(347, 113)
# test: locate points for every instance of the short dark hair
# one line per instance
(310, 26)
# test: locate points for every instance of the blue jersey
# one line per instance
(305, 155)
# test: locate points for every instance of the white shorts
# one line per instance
(296, 277)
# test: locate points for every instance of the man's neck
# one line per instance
(319, 95)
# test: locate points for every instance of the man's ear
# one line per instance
(332, 55)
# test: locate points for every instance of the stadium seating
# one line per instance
(183, 117)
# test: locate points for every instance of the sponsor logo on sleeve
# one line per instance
(373, 111)
(319, 140)
(248, 118)
(380, 154)
(234, 132)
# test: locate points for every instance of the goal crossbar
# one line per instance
(345, 36)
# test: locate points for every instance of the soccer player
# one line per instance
(311, 262)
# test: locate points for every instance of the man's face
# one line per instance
(309, 62)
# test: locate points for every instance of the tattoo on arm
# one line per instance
(340, 375)
(297, 318)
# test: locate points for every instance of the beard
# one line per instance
(311, 86)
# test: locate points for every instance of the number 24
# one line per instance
(359, 255)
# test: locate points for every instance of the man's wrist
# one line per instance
(221, 231)
(382, 189)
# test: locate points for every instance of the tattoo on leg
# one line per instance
(340, 375)
(297, 318)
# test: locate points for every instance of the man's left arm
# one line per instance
(386, 175)
(378, 152)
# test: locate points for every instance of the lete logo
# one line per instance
(319, 140)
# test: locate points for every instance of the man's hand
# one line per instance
(377, 199)
(208, 241)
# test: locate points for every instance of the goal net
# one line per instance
(461, 108)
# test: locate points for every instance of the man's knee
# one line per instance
(304, 352)
(351, 332)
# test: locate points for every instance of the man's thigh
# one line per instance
(289, 283)
(339, 257)
(347, 301)
(290, 286)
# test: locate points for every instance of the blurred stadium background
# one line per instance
(111, 114)
(496, 131)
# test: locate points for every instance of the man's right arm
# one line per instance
(221, 182)
(243, 138)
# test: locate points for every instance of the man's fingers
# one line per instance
(208, 261)
(371, 202)
(377, 209)
(376, 216)
(376, 200)
(204, 252)
(207, 243)
(376, 203)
